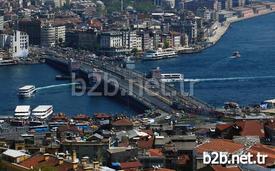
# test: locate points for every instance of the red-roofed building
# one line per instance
(46, 161)
(217, 145)
(240, 128)
(263, 149)
(250, 128)
(122, 124)
(131, 166)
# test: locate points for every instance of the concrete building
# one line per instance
(111, 39)
(191, 30)
(52, 35)
(17, 44)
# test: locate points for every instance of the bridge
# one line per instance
(134, 84)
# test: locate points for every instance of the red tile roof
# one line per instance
(129, 165)
(222, 127)
(220, 145)
(38, 161)
(250, 128)
(102, 116)
(155, 152)
(122, 122)
(263, 149)
(146, 143)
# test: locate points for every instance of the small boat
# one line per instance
(171, 77)
(26, 91)
(42, 112)
(236, 54)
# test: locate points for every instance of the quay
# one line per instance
(131, 83)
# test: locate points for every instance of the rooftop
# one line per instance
(22, 108)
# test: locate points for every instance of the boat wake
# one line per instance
(55, 86)
(227, 79)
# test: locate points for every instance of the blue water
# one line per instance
(13, 77)
(224, 78)
(247, 80)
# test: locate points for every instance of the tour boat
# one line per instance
(159, 54)
(22, 112)
(26, 91)
(171, 77)
(42, 111)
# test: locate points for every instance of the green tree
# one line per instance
(134, 51)
(166, 44)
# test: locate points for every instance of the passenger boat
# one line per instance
(7, 62)
(42, 111)
(159, 54)
(22, 112)
(171, 77)
(26, 91)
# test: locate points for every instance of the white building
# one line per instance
(16, 43)
(52, 35)
(111, 39)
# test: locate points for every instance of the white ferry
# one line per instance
(159, 54)
(42, 111)
(171, 77)
(22, 112)
(26, 91)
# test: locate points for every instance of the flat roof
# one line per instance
(14, 153)
(27, 87)
(22, 108)
(42, 108)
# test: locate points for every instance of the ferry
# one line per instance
(236, 54)
(22, 112)
(42, 111)
(26, 91)
(159, 54)
(171, 77)
(7, 62)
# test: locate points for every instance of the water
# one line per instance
(50, 91)
(247, 80)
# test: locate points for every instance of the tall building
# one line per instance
(111, 39)
(191, 29)
(17, 44)
(52, 35)
(32, 28)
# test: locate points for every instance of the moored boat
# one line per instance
(159, 54)
(42, 111)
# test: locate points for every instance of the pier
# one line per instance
(133, 84)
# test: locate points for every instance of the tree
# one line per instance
(166, 44)
(134, 51)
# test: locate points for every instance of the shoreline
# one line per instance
(221, 30)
